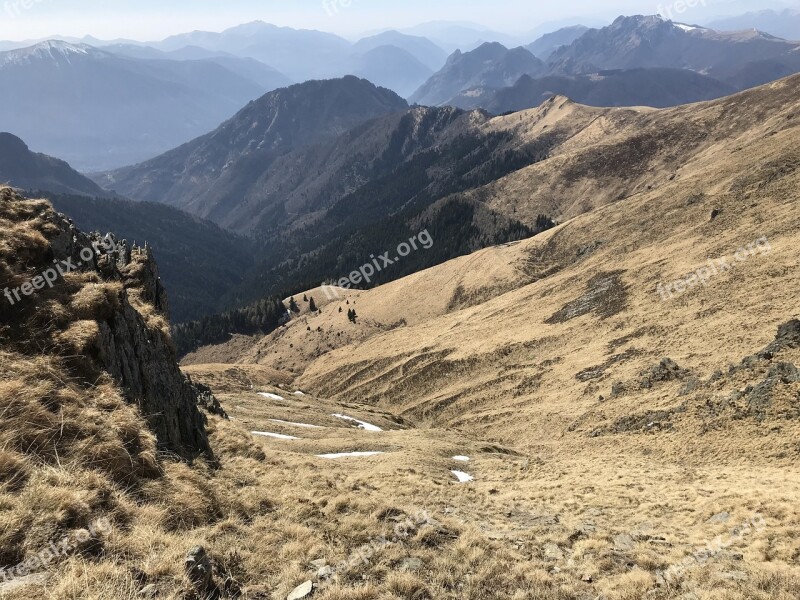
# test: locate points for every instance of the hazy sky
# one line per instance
(156, 19)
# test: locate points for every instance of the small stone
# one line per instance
(304, 590)
(624, 543)
(553, 552)
(325, 572)
(149, 591)
(720, 518)
(587, 578)
(319, 563)
(198, 568)
(411, 564)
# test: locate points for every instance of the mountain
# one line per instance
(299, 54)
(24, 169)
(543, 47)
(647, 42)
(783, 24)
(424, 50)
(98, 110)
(490, 65)
(199, 263)
(214, 175)
(390, 67)
(658, 88)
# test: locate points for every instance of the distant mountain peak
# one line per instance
(50, 50)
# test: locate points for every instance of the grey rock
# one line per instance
(553, 552)
(624, 543)
(304, 590)
(411, 564)
(325, 572)
(198, 568)
(149, 591)
(319, 563)
(722, 517)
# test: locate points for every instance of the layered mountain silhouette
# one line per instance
(659, 88)
(783, 24)
(490, 65)
(97, 110)
(653, 42)
(635, 60)
(550, 42)
(21, 168)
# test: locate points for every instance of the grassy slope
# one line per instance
(575, 497)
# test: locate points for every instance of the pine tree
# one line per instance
(293, 305)
(312, 306)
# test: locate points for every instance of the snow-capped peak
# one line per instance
(52, 50)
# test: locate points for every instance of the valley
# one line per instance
(461, 315)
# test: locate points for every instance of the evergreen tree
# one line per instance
(312, 306)
(293, 305)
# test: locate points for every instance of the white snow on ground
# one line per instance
(299, 393)
(296, 424)
(463, 477)
(347, 454)
(278, 436)
(685, 27)
(361, 424)
(461, 458)
(271, 396)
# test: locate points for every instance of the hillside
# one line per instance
(198, 262)
(609, 409)
(24, 169)
(623, 388)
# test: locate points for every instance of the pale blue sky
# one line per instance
(156, 19)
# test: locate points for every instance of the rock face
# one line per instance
(113, 292)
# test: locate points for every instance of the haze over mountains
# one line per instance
(129, 101)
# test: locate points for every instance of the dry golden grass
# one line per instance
(502, 356)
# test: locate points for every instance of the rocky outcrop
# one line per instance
(110, 318)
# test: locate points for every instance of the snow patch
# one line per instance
(463, 477)
(347, 454)
(361, 424)
(277, 436)
(461, 458)
(686, 27)
(296, 424)
(299, 393)
(271, 396)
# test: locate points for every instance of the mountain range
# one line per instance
(611, 66)
(654, 42)
(783, 24)
(656, 87)
(491, 65)
(97, 109)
